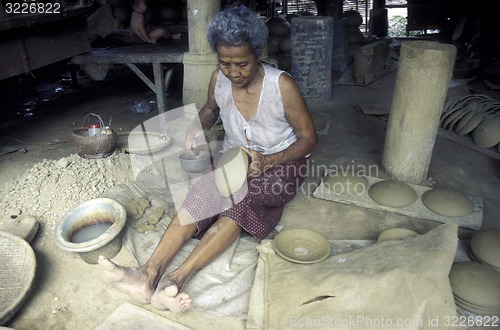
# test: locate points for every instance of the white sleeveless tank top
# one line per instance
(268, 131)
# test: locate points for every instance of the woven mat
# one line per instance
(17, 272)
(403, 283)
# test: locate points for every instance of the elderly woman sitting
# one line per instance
(263, 112)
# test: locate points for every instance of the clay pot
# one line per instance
(273, 46)
(170, 15)
(278, 27)
(353, 18)
(122, 13)
(286, 45)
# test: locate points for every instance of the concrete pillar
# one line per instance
(340, 56)
(424, 72)
(312, 48)
(200, 61)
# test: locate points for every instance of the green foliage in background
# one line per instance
(397, 26)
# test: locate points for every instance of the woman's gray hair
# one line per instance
(238, 26)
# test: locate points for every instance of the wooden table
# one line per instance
(161, 56)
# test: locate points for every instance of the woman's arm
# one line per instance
(297, 114)
(207, 115)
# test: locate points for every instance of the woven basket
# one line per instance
(17, 272)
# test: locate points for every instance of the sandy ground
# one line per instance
(69, 294)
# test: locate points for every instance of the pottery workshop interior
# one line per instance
(395, 226)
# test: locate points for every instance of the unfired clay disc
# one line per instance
(447, 202)
(476, 283)
(487, 133)
(301, 246)
(392, 193)
(469, 304)
(396, 233)
(231, 171)
(486, 247)
(346, 184)
(475, 309)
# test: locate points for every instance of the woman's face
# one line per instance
(238, 64)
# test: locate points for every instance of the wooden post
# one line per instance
(424, 72)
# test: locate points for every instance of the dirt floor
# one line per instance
(69, 293)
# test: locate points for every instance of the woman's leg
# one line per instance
(215, 241)
(140, 283)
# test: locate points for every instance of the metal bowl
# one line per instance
(195, 164)
(92, 212)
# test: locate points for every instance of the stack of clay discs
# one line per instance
(476, 288)
(485, 248)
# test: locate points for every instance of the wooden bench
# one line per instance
(161, 56)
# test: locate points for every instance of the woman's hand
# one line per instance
(191, 141)
(258, 164)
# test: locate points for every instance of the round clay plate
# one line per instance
(396, 234)
(476, 283)
(143, 143)
(447, 202)
(347, 184)
(487, 133)
(392, 193)
(475, 308)
(301, 246)
(486, 247)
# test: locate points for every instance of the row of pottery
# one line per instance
(485, 248)
(398, 194)
(475, 114)
(476, 287)
(476, 284)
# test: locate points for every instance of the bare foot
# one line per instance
(167, 296)
(129, 280)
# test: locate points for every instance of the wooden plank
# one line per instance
(142, 76)
(417, 210)
(143, 53)
(57, 42)
(467, 142)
